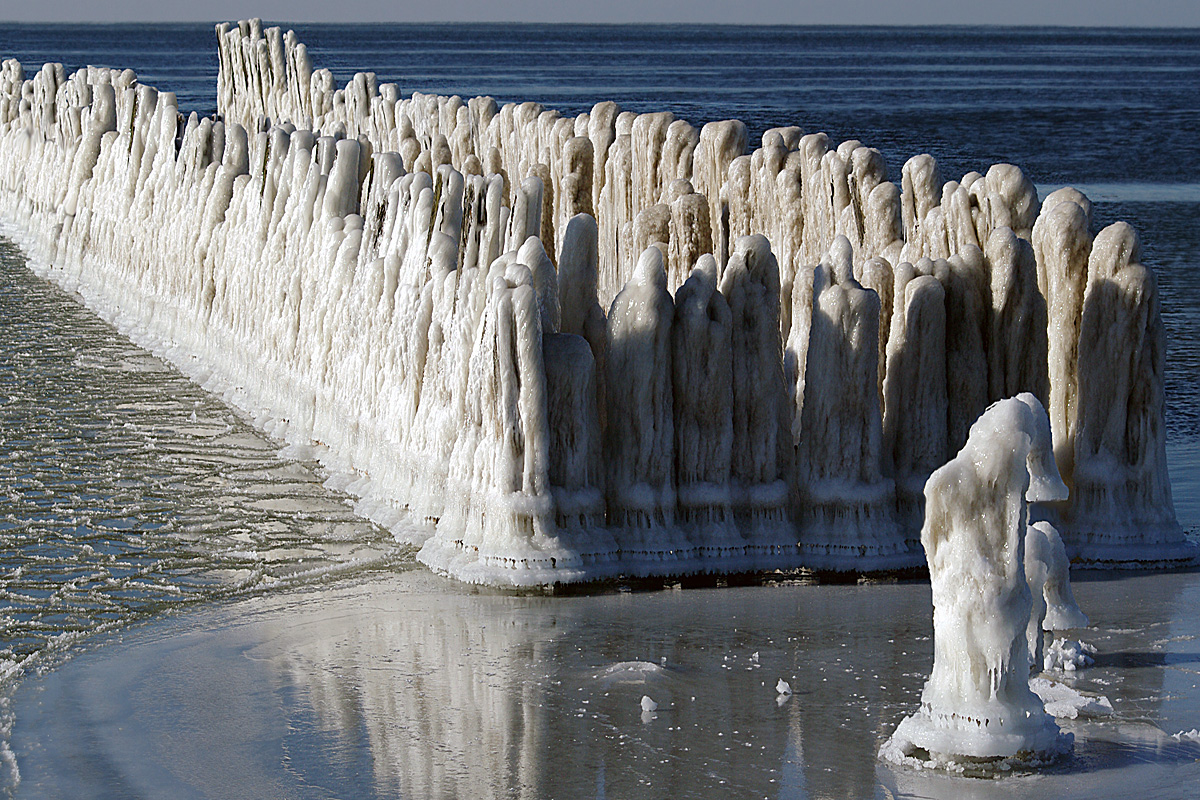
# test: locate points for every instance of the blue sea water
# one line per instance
(125, 491)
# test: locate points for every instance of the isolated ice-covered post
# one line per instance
(977, 702)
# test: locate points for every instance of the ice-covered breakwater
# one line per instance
(614, 343)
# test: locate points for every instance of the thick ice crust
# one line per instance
(535, 568)
(1175, 555)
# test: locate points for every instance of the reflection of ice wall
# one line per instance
(417, 285)
(482, 695)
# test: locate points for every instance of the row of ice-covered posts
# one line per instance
(731, 400)
(656, 179)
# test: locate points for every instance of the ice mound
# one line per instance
(1066, 655)
(1048, 573)
(1062, 612)
(554, 349)
(630, 672)
(977, 704)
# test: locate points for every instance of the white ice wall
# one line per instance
(418, 286)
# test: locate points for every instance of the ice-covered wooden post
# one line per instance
(1121, 507)
(977, 703)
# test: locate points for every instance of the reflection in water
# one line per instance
(489, 695)
(406, 685)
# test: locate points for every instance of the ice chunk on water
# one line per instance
(1066, 703)
(630, 672)
(1067, 656)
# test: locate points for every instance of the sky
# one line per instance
(1167, 13)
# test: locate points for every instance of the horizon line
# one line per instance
(659, 23)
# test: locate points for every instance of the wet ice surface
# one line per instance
(413, 686)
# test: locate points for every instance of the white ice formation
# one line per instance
(1048, 573)
(1062, 612)
(556, 349)
(1065, 702)
(977, 703)
(1068, 655)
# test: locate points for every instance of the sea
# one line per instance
(137, 511)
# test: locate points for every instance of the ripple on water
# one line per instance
(128, 490)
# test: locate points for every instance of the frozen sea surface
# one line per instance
(407, 685)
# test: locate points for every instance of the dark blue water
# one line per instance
(128, 491)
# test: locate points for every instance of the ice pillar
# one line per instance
(914, 387)
(761, 448)
(1122, 494)
(640, 437)
(977, 703)
(845, 503)
(702, 362)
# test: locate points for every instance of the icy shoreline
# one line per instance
(488, 322)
